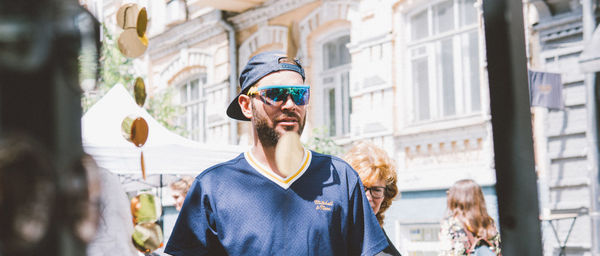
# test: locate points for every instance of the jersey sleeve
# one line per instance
(366, 236)
(195, 231)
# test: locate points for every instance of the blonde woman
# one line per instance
(179, 190)
(378, 175)
(468, 227)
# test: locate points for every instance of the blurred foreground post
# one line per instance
(511, 125)
(40, 42)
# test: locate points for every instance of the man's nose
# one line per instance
(288, 102)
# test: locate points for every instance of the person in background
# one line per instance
(115, 228)
(468, 227)
(179, 190)
(378, 175)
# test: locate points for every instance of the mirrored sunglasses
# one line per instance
(275, 95)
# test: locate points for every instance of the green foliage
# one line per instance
(161, 107)
(322, 143)
(114, 68)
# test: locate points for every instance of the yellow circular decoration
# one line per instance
(139, 91)
(142, 22)
(127, 16)
(147, 237)
(131, 45)
(135, 130)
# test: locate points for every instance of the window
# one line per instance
(423, 238)
(191, 94)
(444, 60)
(175, 11)
(424, 233)
(335, 78)
(335, 52)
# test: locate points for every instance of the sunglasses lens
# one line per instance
(300, 96)
(274, 96)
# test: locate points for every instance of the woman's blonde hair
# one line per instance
(467, 204)
(372, 164)
(182, 185)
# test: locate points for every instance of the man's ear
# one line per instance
(245, 105)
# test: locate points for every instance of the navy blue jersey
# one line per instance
(240, 207)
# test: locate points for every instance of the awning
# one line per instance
(164, 152)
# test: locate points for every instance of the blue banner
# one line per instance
(545, 90)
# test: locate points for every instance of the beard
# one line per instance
(266, 134)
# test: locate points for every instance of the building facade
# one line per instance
(565, 161)
(441, 123)
(409, 76)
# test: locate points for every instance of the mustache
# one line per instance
(288, 114)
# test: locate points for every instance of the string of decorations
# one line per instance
(145, 207)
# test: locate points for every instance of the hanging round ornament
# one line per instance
(145, 207)
(134, 21)
(135, 130)
(147, 235)
(139, 91)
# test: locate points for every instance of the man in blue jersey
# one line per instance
(247, 206)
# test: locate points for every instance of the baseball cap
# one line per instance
(258, 67)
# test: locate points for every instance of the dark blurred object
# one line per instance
(516, 186)
(31, 205)
(41, 48)
(27, 196)
(40, 45)
(81, 198)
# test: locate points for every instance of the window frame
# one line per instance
(186, 118)
(343, 108)
(463, 89)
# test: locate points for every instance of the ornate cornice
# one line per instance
(269, 9)
(460, 144)
(185, 35)
(264, 36)
(367, 42)
(328, 11)
(193, 60)
(559, 27)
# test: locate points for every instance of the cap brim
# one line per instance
(234, 111)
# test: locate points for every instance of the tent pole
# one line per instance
(160, 195)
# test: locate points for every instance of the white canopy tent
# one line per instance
(164, 152)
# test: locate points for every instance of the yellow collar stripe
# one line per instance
(301, 167)
(262, 170)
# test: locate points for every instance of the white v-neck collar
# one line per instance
(286, 182)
